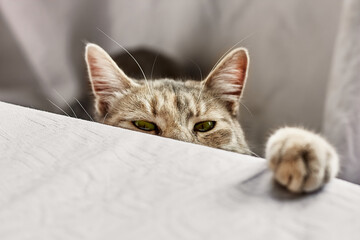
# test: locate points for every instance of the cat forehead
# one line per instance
(171, 85)
(170, 98)
(186, 93)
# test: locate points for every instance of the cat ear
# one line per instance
(228, 78)
(106, 78)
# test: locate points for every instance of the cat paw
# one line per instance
(302, 161)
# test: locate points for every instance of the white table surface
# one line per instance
(64, 178)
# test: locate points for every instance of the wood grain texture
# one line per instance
(64, 178)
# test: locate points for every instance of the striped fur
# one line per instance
(174, 106)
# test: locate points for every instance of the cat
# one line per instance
(205, 112)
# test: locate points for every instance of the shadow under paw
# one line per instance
(262, 184)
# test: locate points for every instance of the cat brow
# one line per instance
(137, 63)
(198, 67)
(153, 65)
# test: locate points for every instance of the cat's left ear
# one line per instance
(228, 78)
(107, 79)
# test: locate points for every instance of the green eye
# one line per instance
(204, 126)
(144, 125)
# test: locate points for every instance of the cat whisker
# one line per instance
(201, 78)
(153, 65)
(201, 90)
(150, 84)
(137, 63)
(103, 121)
(84, 109)
(198, 67)
(242, 40)
(251, 114)
(72, 110)
(204, 82)
(253, 153)
(58, 107)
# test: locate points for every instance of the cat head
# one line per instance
(203, 112)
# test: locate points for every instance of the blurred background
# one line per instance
(305, 56)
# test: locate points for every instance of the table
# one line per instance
(66, 178)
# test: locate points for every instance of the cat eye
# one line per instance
(144, 125)
(204, 126)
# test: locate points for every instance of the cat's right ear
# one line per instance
(107, 79)
(228, 78)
